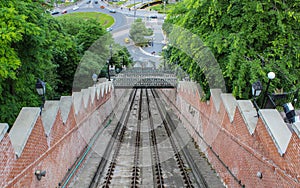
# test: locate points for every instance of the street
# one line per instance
(143, 57)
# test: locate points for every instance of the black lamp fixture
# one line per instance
(39, 174)
(256, 89)
(41, 90)
(94, 77)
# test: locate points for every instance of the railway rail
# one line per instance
(130, 145)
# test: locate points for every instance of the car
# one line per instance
(96, 2)
(102, 7)
(75, 7)
(126, 40)
(109, 29)
(54, 12)
(64, 12)
(112, 11)
(153, 16)
(88, 2)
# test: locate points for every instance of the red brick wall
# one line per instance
(236, 155)
(7, 159)
(67, 141)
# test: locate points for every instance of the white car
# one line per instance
(75, 7)
(112, 11)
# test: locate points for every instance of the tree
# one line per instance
(24, 56)
(248, 39)
(138, 31)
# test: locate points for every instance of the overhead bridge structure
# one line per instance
(145, 78)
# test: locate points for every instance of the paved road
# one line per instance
(123, 20)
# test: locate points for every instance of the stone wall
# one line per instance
(52, 140)
(245, 149)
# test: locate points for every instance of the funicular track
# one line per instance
(159, 182)
(114, 170)
(170, 127)
(108, 150)
(178, 157)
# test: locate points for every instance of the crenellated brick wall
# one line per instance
(238, 144)
(53, 140)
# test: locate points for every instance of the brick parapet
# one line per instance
(69, 135)
(237, 154)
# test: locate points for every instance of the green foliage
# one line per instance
(247, 38)
(138, 31)
(24, 56)
(37, 45)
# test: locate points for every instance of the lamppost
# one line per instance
(271, 76)
(134, 14)
(109, 61)
(165, 50)
(108, 70)
(94, 77)
(256, 90)
(40, 87)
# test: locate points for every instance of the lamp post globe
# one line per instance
(271, 75)
(94, 77)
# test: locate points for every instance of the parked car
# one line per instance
(96, 2)
(54, 12)
(64, 12)
(153, 16)
(75, 8)
(88, 2)
(109, 29)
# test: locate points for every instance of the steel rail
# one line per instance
(125, 115)
(200, 180)
(180, 162)
(136, 169)
(157, 167)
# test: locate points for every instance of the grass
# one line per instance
(121, 2)
(131, 5)
(161, 9)
(104, 19)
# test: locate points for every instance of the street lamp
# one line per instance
(165, 50)
(94, 77)
(256, 90)
(40, 87)
(108, 70)
(109, 61)
(271, 76)
(110, 49)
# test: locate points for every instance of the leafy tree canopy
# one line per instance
(138, 31)
(36, 45)
(247, 38)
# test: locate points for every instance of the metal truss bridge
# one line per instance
(145, 78)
